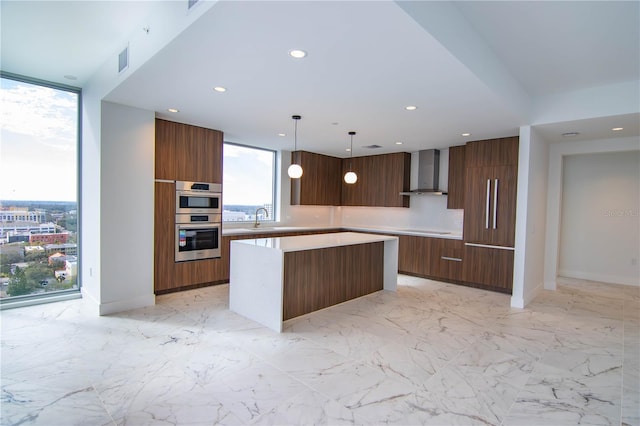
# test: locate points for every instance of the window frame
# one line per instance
(274, 185)
(58, 295)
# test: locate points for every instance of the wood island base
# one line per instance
(276, 279)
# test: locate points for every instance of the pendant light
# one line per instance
(350, 177)
(294, 170)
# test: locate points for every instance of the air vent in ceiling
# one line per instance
(123, 60)
(374, 146)
(191, 3)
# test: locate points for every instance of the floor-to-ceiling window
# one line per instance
(39, 151)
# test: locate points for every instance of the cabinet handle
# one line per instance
(486, 222)
(495, 204)
(455, 259)
(490, 246)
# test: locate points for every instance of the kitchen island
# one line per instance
(276, 279)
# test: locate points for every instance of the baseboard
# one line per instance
(127, 305)
(603, 278)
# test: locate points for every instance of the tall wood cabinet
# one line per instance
(490, 212)
(187, 153)
(321, 180)
(164, 235)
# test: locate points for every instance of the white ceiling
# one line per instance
(367, 61)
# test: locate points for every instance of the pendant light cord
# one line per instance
(351, 151)
(351, 154)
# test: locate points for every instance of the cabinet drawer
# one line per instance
(488, 267)
(447, 259)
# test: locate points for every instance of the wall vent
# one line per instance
(123, 60)
(374, 146)
(191, 3)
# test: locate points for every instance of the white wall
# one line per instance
(600, 232)
(603, 101)
(127, 208)
(90, 198)
(555, 193)
(533, 166)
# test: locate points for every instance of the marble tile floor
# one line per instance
(432, 353)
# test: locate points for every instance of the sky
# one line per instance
(38, 142)
(248, 176)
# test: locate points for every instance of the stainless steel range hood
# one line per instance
(428, 174)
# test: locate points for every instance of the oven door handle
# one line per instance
(198, 225)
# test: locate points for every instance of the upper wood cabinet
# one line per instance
(320, 184)
(492, 152)
(189, 153)
(455, 197)
(166, 135)
(381, 178)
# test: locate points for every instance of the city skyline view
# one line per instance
(38, 142)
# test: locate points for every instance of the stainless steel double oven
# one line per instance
(198, 221)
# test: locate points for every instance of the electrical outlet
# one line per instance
(90, 272)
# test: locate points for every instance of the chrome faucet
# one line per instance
(256, 224)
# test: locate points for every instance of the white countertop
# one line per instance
(432, 233)
(317, 241)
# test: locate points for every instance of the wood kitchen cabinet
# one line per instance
(166, 134)
(414, 255)
(437, 258)
(490, 212)
(447, 260)
(188, 153)
(381, 178)
(320, 184)
(164, 234)
(490, 268)
(490, 192)
(492, 152)
(457, 167)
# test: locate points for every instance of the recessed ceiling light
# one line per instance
(411, 108)
(297, 53)
(348, 149)
(220, 89)
(282, 134)
(570, 134)
(617, 129)
(335, 123)
(398, 143)
(173, 110)
(70, 77)
(466, 134)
